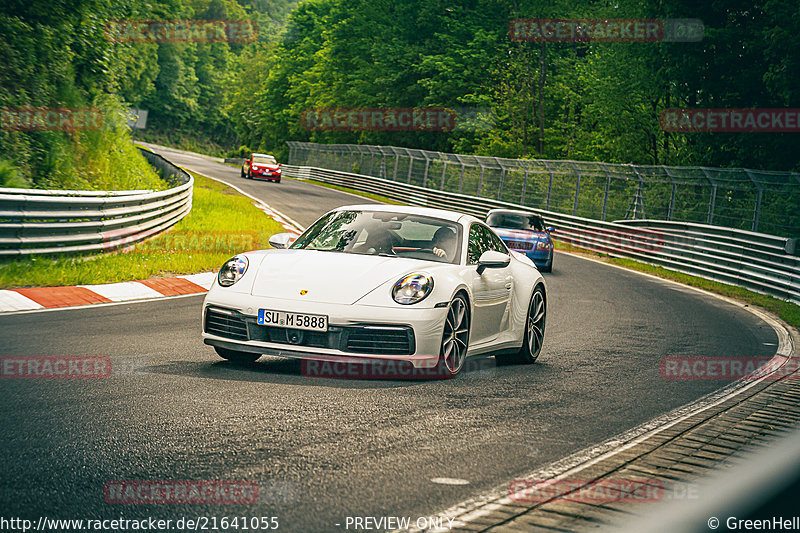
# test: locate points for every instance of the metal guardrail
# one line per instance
(46, 222)
(756, 261)
(754, 200)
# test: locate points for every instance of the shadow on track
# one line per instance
(290, 372)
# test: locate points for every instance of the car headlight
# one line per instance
(412, 289)
(544, 245)
(232, 271)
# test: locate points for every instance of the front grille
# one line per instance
(226, 324)
(380, 340)
(295, 337)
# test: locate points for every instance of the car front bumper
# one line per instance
(424, 326)
(265, 176)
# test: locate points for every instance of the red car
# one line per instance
(262, 166)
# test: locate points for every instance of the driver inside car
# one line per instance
(444, 243)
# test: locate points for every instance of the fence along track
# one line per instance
(756, 261)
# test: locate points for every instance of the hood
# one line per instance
(329, 277)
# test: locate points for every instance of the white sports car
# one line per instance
(380, 282)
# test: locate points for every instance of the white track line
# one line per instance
(15, 302)
(121, 292)
(482, 505)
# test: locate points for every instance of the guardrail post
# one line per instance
(759, 196)
(713, 199)
(757, 209)
(396, 162)
(502, 180)
(425, 175)
(371, 162)
(480, 180)
(577, 189)
(671, 209)
(444, 172)
(461, 177)
(605, 195)
(524, 185)
(410, 166)
(549, 185)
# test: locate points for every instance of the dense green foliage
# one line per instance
(58, 54)
(594, 101)
(591, 101)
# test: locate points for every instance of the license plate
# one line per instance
(284, 319)
(520, 245)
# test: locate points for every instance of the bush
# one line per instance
(10, 176)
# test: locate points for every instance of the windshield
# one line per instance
(384, 234)
(515, 221)
(264, 160)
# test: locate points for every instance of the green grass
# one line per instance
(231, 222)
(788, 312)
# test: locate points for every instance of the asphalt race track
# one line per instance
(324, 449)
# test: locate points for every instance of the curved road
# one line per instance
(325, 449)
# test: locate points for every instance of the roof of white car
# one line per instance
(444, 214)
(512, 211)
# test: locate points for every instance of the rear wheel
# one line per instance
(455, 338)
(534, 331)
(235, 356)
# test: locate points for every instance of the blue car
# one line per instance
(524, 232)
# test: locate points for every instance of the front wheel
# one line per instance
(455, 338)
(534, 331)
(235, 356)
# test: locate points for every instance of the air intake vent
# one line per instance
(225, 324)
(380, 340)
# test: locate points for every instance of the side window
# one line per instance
(479, 242)
(482, 239)
(497, 244)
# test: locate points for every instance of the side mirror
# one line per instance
(551, 229)
(282, 240)
(492, 259)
